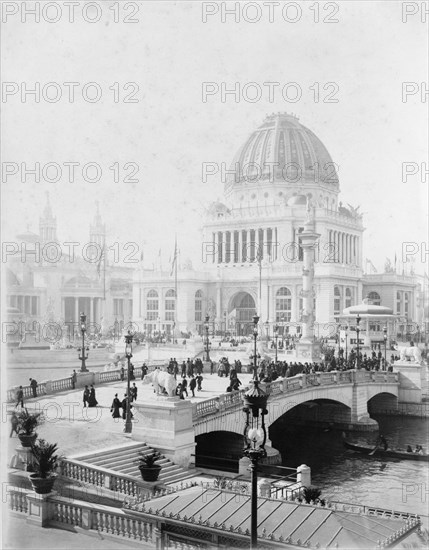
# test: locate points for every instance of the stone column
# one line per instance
(76, 310)
(91, 310)
(307, 349)
(240, 246)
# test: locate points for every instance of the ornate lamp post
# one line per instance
(207, 342)
(267, 330)
(255, 436)
(346, 332)
(385, 346)
(83, 356)
(276, 337)
(357, 340)
(128, 354)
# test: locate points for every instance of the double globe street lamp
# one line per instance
(276, 337)
(128, 354)
(357, 340)
(255, 435)
(207, 342)
(82, 355)
(385, 346)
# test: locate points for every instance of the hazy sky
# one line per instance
(170, 131)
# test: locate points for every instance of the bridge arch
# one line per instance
(383, 402)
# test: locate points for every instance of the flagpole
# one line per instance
(175, 277)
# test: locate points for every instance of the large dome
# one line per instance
(282, 150)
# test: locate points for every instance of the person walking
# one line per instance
(74, 379)
(133, 392)
(92, 401)
(144, 370)
(199, 382)
(20, 397)
(85, 396)
(116, 405)
(185, 386)
(124, 407)
(192, 385)
(122, 372)
(14, 424)
(211, 367)
(33, 384)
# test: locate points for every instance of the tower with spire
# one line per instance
(97, 231)
(48, 224)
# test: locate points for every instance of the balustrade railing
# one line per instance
(296, 383)
(63, 384)
(18, 500)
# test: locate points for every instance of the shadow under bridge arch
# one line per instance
(219, 450)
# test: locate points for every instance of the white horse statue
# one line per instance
(161, 380)
(410, 354)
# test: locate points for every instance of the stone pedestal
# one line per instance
(165, 423)
(303, 476)
(308, 351)
(22, 459)
(412, 379)
(39, 509)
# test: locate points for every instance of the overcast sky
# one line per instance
(170, 131)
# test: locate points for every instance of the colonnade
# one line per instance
(344, 248)
(244, 245)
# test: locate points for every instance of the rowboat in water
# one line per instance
(379, 452)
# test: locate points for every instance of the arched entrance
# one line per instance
(242, 309)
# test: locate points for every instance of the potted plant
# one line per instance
(26, 425)
(44, 466)
(148, 467)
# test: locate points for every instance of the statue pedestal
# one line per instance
(412, 379)
(308, 351)
(166, 424)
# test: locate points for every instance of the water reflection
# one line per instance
(346, 476)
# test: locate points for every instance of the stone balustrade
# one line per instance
(299, 382)
(65, 384)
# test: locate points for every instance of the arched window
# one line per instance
(375, 298)
(152, 305)
(199, 306)
(337, 301)
(348, 301)
(170, 304)
(283, 305)
(398, 303)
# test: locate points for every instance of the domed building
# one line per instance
(281, 177)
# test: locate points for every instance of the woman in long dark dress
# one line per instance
(92, 401)
(116, 405)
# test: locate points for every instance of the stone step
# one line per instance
(125, 460)
(134, 447)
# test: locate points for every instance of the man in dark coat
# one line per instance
(85, 396)
(20, 397)
(33, 384)
(192, 385)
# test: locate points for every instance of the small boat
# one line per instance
(379, 452)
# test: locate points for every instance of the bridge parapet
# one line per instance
(281, 386)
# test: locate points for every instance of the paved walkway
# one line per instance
(77, 429)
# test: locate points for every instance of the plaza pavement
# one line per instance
(79, 430)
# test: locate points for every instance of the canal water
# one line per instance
(346, 476)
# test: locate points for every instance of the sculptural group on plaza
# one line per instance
(161, 381)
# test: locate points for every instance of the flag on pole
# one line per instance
(100, 262)
(174, 262)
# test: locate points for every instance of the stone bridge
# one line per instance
(172, 425)
(352, 389)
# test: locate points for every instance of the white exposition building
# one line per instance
(251, 257)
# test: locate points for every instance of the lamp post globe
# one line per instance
(128, 354)
(357, 340)
(83, 355)
(385, 346)
(255, 435)
(207, 342)
(276, 337)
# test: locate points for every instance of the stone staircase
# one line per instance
(124, 460)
